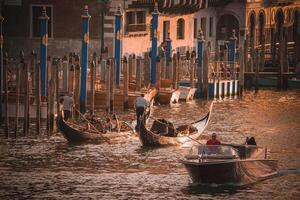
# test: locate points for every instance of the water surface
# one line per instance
(50, 168)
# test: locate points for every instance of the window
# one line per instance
(211, 23)
(180, 29)
(195, 27)
(203, 26)
(136, 21)
(166, 30)
(141, 18)
(130, 18)
(36, 11)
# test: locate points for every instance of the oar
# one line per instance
(91, 124)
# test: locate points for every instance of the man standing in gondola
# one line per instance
(140, 106)
(68, 106)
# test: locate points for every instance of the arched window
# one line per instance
(180, 29)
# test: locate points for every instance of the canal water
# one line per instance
(46, 168)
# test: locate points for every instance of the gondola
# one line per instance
(74, 135)
(174, 136)
(223, 164)
(79, 135)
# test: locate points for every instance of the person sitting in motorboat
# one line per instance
(213, 140)
(213, 144)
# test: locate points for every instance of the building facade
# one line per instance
(258, 21)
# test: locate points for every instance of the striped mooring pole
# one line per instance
(1, 67)
(118, 37)
(84, 58)
(43, 52)
(200, 44)
(231, 54)
(154, 35)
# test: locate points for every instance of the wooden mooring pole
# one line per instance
(77, 85)
(5, 80)
(48, 78)
(71, 73)
(138, 74)
(205, 73)
(94, 65)
(242, 69)
(192, 69)
(147, 71)
(26, 100)
(256, 63)
(38, 96)
(57, 70)
(112, 84)
(18, 93)
(125, 82)
(106, 64)
(175, 65)
(130, 66)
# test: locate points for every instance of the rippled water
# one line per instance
(49, 168)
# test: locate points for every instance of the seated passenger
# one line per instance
(115, 123)
(213, 140)
(251, 141)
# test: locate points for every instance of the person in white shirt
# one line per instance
(68, 106)
(140, 106)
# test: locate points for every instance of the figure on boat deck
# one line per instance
(140, 106)
(213, 140)
(250, 141)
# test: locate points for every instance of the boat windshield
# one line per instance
(213, 152)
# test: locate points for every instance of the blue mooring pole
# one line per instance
(154, 44)
(43, 52)
(231, 53)
(200, 44)
(118, 37)
(168, 50)
(84, 58)
(1, 67)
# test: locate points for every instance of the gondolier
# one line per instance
(140, 106)
(68, 106)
